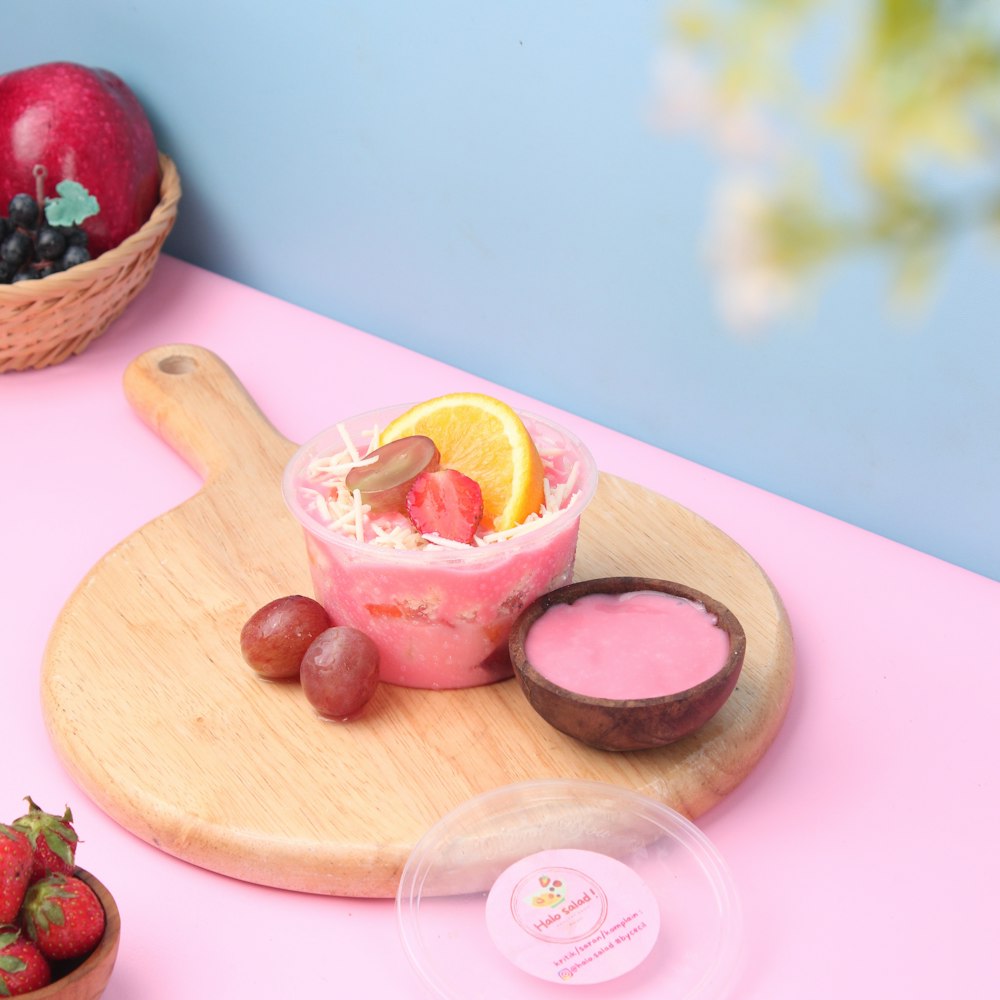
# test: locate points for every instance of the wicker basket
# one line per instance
(44, 322)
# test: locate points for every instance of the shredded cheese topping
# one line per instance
(325, 495)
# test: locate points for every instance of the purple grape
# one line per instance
(276, 637)
(340, 672)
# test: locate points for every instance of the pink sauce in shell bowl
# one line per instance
(439, 612)
(627, 663)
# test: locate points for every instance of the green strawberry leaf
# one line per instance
(74, 204)
(11, 963)
(50, 914)
(57, 844)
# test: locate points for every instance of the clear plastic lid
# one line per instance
(534, 888)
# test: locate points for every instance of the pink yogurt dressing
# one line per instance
(440, 614)
(640, 644)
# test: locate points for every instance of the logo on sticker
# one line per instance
(551, 893)
(559, 904)
(572, 915)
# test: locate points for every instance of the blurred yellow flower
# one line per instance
(841, 126)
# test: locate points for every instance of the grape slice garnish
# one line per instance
(384, 482)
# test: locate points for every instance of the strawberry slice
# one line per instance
(446, 503)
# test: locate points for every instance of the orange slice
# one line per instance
(484, 439)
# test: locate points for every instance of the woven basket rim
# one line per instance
(162, 215)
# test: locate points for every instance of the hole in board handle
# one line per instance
(178, 364)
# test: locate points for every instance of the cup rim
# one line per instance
(318, 443)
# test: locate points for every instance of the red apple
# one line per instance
(83, 125)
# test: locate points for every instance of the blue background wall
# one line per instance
(481, 182)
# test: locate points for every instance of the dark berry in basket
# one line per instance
(75, 236)
(23, 210)
(16, 248)
(50, 244)
(33, 244)
(74, 255)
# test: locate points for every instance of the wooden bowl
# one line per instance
(88, 979)
(634, 724)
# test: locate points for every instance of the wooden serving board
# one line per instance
(152, 710)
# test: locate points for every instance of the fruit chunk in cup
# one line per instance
(439, 611)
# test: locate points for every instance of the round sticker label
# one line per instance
(572, 916)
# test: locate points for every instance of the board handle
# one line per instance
(193, 400)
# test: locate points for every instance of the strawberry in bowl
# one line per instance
(59, 925)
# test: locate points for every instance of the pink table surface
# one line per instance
(863, 846)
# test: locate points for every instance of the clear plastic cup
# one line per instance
(441, 616)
